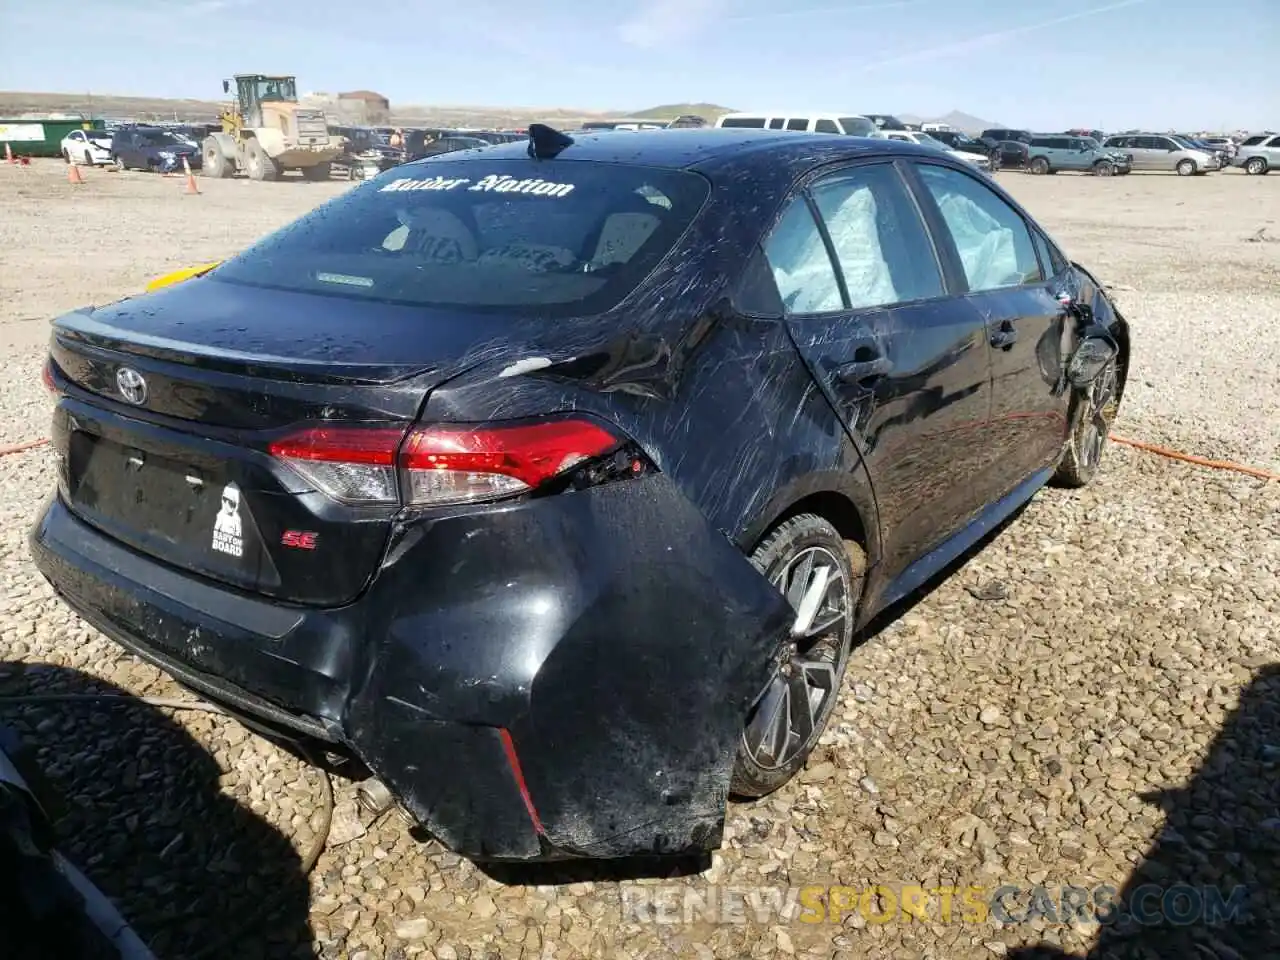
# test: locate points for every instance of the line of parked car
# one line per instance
(1094, 152)
(1084, 151)
(371, 150)
(367, 151)
(135, 146)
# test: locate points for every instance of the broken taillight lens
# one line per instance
(447, 464)
(443, 464)
(351, 464)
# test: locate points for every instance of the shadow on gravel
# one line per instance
(1209, 887)
(137, 807)
(595, 871)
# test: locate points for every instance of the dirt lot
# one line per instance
(1092, 699)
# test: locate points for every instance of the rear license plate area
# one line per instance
(189, 515)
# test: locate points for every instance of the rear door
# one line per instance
(903, 363)
(1148, 155)
(1024, 321)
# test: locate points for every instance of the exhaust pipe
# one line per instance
(373, 795)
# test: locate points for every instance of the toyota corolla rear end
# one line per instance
(519, 624)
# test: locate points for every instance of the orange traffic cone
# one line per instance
(191, 180)
(73, 174)
(8, 154)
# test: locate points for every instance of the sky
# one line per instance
(1042, 64)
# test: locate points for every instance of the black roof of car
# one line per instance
(692, 147)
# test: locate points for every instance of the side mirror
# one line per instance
(1097, 348)
(226, 86)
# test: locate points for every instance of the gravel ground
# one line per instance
(1093, 698)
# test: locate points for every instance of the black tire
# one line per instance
(1093, 412)
(1255, 166)
(213, 162)
(66, 155)
(259, 166)
(88, 159)
(813, 663)
(1186, 168)
(320, 172)
(1104, 168)
(1039, 166)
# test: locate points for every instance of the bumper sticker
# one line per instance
(227, 535)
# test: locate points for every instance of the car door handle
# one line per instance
(1006, 336)
(862, 372)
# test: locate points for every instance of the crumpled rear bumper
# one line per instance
(562, 677)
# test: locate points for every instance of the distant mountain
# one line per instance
(964, 122)
(669, 111)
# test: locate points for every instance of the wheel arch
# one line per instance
(226, 144)
(1120, 330)
(846, 502)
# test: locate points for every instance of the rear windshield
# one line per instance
(504, 236)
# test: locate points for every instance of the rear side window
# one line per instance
(991, 237)
(825, 126)
(857, 126)
(798, 124)
(1042, 142)
(800, 263)
(500, 236)
(753, 123)
(776, 123)
(880, 242)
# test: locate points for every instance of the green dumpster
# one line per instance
(37, 136)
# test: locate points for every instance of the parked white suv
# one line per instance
(851, 125)
(89, 147)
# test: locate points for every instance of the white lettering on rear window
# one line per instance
(495, 183)
(534, 187)
(435, 183)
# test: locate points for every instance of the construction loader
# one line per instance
(266, 133)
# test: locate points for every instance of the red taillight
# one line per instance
(447, 464)
(439, 465)
(46, 376)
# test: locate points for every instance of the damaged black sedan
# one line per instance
(555, 481)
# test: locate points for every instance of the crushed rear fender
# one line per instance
(607, 650)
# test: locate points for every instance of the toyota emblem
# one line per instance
(131, 386)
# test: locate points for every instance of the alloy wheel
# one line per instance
(790, 712)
